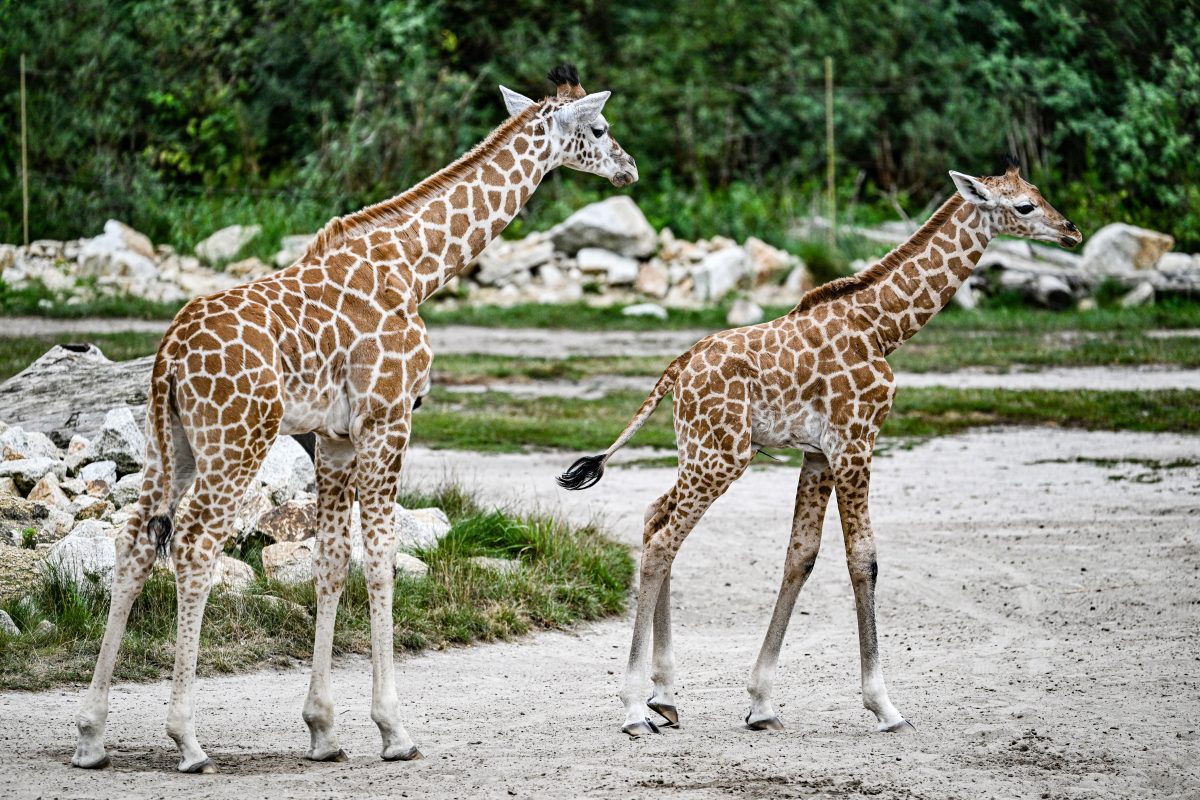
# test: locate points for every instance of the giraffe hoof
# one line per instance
(903, 726)
(205, 767)
(636, 729)
(338, 755)
(768, 724)
(669, 713)
(101, 763)
(411, 754)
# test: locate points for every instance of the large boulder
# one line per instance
(719, 273)
(289, 562)
(88, 550)
(291, 522)
(225, 243)
(615, 224)
(1120, 248)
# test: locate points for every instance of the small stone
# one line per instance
(17, 444)
(8, 488)
(7, 626)
(652, 279)
(126, 490)
(719, 273)
(1142, 295)
(645, 310)
(744, 312)
(48, 492)
(225, 243)
(411, 565)
(102, 471)
(100, 509)
(617, 269)
(505, 566)
(45, 628)
(230, 572)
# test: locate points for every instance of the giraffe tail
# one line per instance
(587, 471)
(160, 446)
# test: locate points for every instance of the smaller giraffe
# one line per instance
(816, 380)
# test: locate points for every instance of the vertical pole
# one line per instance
(830, 195)
(24, 160)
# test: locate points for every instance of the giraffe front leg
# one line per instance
(812, 496)
(334, 497)
(378, 467)
(852, 477)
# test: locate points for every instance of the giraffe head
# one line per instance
(1014, 206)
(578, 132)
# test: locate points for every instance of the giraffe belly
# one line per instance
(798, 430)
(327, 414)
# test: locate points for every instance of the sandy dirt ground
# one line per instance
(1039, 618)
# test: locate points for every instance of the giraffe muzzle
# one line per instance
(627, 176)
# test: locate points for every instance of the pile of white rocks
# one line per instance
(1138, 259)
(69, 505)
(605, 253)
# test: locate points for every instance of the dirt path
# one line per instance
(1038, 617)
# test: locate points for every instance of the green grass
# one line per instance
(18, 352)
(36, 300)
(568, 575)
(499, 422)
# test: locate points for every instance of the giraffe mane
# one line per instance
(876, 272)
(339, 230)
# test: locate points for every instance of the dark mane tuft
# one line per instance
(1011, 162)
(564, 74)
(915, 244)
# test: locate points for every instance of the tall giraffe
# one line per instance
(816, 380)
(333, 345)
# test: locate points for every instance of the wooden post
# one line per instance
(24, 160)
(830, 195)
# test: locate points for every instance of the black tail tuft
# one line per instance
(161, 529)
(584, 473)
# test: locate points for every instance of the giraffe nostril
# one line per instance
(1071, 227)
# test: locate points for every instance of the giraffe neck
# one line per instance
(421, 239)
(917, 279)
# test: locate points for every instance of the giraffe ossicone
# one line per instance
(815, 380)
(332, 345)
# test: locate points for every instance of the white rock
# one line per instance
(1142, 295)
(420, 527)
(45, 628)
(237, 575)
(744, 312)
(1120, 248)
(286, 470)
(120, 440)
(88, 550)
(291, 248)
(247, 268)
(411, 565)
(126, 490)
(798, 280)
(16, 443)
(552, 277)
(719, 273)
(119, 252)
(7, 626)
(653, 279)
(503, 260)
(645, 310)
(225, 243)
(616, 269)
(1178, 262)
(100, 471)
(767, 261)
(8, 488)
(26, 472)
(48, 492)
(289, 562)
(615, 224)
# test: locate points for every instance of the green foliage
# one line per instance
(181, 118)
(29, 538)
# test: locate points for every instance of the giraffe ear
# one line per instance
(972, 189)
(583, 110)
(515, 102)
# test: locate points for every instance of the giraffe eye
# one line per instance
(598, 132)
(1024, 208)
